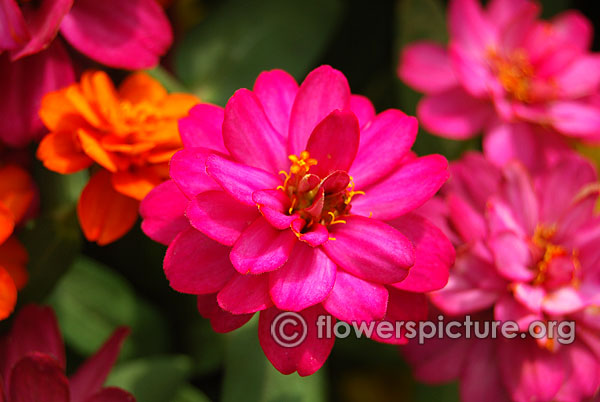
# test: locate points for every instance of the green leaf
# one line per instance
(167, 80)
(91, 300)
(204, 345)
(153, 379)
(242, 38)
(187, 393)
(53, 239)
(250, 377)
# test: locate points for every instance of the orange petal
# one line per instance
(161, 155)
(104, 214)
(99, 90)
(115, 143)
(17, 191)
(61, 152)
(177, 105)
(136, 184)
(13, 257)
(165, 133)
(8, 294)
(92, 146)
(58, 113)
(7, 223)
(83, 106)
(139, 87)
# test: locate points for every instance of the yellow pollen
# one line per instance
(331, 238)
(301, 165)
(514, 73)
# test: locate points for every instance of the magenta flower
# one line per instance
(523, 81)
(528, 251)
(32, 363)
(299, 198)
(129, 34)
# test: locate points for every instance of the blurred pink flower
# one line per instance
(32, 363)
(129, 34)
(509, 74)
(527, 250)
(299, 198)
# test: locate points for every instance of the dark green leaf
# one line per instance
(153, 379)
(167, 80)
(187, 393)
(242, 38)
(250, 377)
(91, 300)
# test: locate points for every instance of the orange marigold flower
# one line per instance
(128, 133)
(17, 192)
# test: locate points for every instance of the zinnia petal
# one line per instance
(239, 180)
(221, 321)
(131, 34)
(203, 127)
(306, 358)
(426, 67)
(89, 377)
(390, 130)
(38, 378)
(250, 137)
(355, 300)
(245, 294)
(404, 190)
(262, 248)
(305, 280)
(23, 83)
(434, 254)
(104, 214)
(163, 212)
(370, 249)
(276, 91)
(334, 143)
(196, 264)
(323, 91)
(220, 216)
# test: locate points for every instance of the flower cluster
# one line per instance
(299, 198)
(527, 250)
(34, 61)
(129, 134)
(528, 84)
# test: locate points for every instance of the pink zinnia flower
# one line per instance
(299, 198)
(130, 34)
(528, 250)
(523, 81)
(32, 363)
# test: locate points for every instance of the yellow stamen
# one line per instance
(333, 219)
(301, 165)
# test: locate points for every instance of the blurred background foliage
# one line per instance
(172, 355)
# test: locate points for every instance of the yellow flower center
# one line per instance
(548, 252)
(514, 73)
(314, 202)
